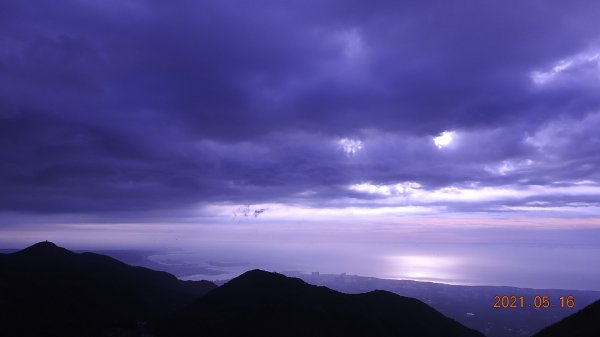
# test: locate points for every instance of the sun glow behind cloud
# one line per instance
(443, 139)
(350, 146)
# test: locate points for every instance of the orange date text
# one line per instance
(537, 302)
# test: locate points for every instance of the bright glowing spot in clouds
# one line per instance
(350, 146)
(444, 139)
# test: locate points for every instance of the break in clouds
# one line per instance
(138, 106)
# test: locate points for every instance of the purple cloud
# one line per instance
(142, 106)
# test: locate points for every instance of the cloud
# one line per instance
(141, 106)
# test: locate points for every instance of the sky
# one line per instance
(149, 123)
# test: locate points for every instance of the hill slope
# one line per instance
(585, 323)
(471, 306)
(47, 290)
(260, 303)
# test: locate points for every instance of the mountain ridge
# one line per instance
(48, 290)
(270, 304)
(51, 291)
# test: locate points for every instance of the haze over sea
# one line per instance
(453, 264)
(511, 255)
(529, 265)
(559, 258)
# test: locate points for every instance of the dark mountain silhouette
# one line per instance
(260, 303)
(471, 306)
(584, 323)
(46, 290)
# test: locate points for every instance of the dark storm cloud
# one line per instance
(146, 105)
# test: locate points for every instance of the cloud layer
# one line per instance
(138, 106)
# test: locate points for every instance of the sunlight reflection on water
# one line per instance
(423, 268)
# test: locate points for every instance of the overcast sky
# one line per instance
(436, 113)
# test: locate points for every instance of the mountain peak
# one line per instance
(259, 273)
(44, 249)
(271, 304)
(263, 279)
(44, 244)
(56, 292)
